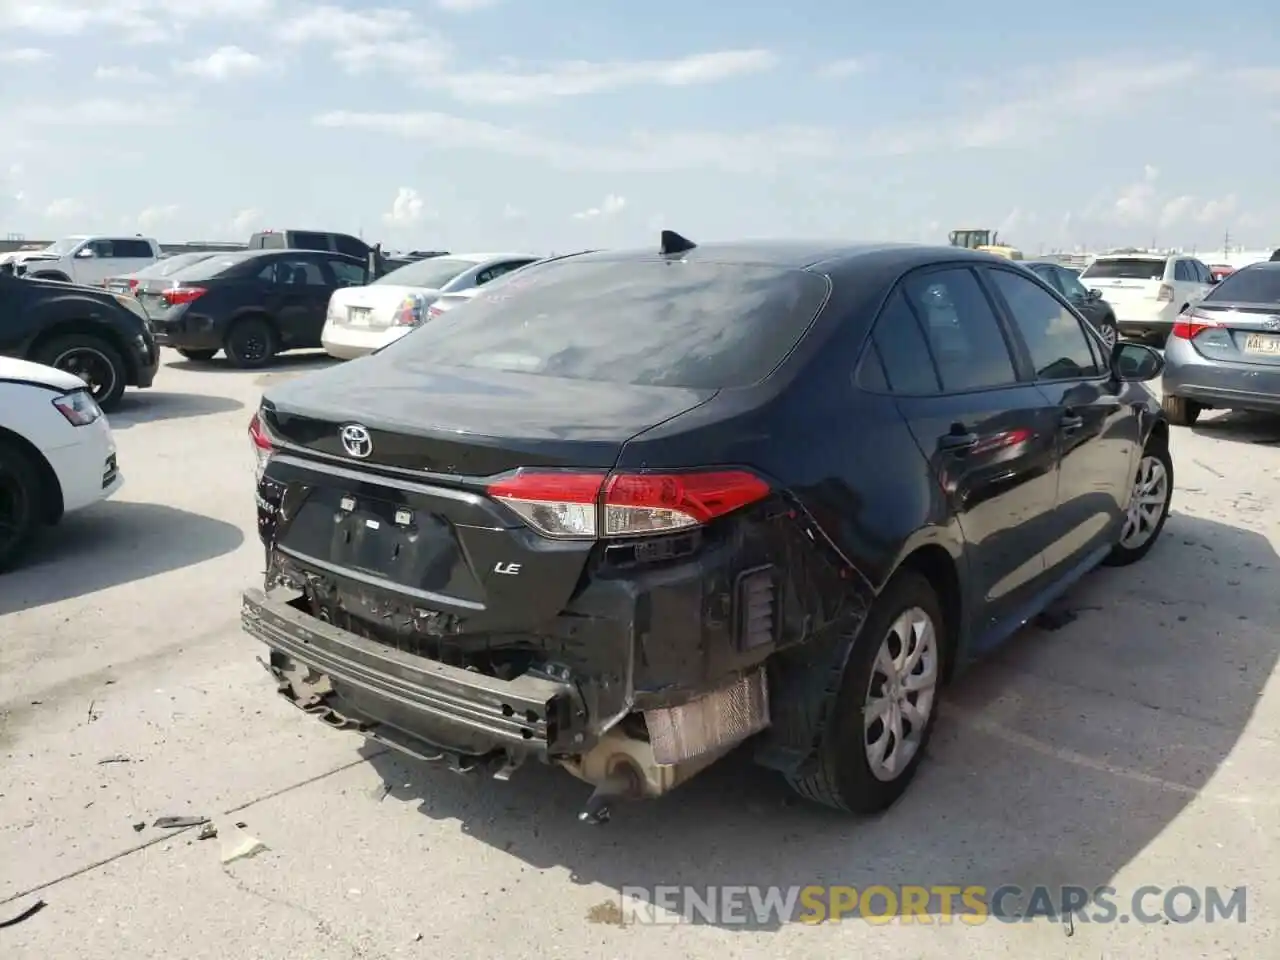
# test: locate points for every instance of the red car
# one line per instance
(1220, 270)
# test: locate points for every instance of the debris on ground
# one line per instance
(139, 827)
(241, 846)
(207, 832)
(178, 823)
(26, 914)
(115, 758)
(92, 714)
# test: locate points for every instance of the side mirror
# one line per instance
(85, 253)
(1136, 363)
(1095, 294)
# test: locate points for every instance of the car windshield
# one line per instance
(646, 323)
(430, 274)
(60, 248)
(1125, 268)
(1248, 286)
(171, 265)
(212, 266)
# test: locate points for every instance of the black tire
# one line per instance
(21, 503)
(84, 354)
(201, 356)
(842, 777)
(1181, 411)
(250, 343)
(1121, 555)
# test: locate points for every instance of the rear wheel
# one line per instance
(20, 503)
(875, 739)
(93, 360)
(250, 343)
(1109, 332)
(198, 355)
(1181, 411)
(1149, 502)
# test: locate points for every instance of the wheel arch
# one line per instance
(939, 560)
(87, 328)
(53, 500)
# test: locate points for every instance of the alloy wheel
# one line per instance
(91, 366)
(1147, 503)
(901, 693)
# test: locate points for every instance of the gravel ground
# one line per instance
(1136, 744)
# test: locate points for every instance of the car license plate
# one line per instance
(358, 316)
(1262, 343)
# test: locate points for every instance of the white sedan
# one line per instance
(56, 452)
(362, 319)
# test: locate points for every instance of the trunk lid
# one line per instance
(1245, 332)
(406, 535)
(1125, 279)
(374, 307)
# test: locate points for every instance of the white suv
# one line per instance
(1147, 291)
(88, 260)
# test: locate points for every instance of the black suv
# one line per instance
(629, 509)
(101, 337)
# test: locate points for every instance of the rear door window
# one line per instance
(133, 249)
(348, 274)
(902, 349)
(294, 271)
(650, 322)
(351, 246)
(1250, 285)
(964, 335)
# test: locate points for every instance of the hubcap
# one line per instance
(1147, 503)
(92, 367)
(900, 696)
(1109, 335)
(253, 346)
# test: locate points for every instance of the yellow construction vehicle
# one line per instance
(987, 241)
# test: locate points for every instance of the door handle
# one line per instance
(1071, 421)
(957, 442)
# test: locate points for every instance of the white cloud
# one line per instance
(100, 111)
(338, 25)
(465, 6)
(1177, 210)
(847, 67)
(24, 55)
(135, 21)
(1217, 211)
(225, 63)
(246, 222)
(1134, 205)
(611, 207)
(123, 74)
(152, 217)
(758, 150)
(407, 208)
(65, 208)
(510, 212)
(518, 85)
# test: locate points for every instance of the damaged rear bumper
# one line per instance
(417, 705)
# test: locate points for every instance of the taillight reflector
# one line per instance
(180, 295)
(1165, 293)
(1190, 324)
(578, 505)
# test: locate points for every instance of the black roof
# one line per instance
(801, 254)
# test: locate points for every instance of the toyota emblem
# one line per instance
(356, 441)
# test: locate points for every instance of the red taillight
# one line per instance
(263, 448)
(433, 312)
(580, 505)
(409, 313)
(133, 286)
(180, 295)
(1165, 293)
(1191, 324)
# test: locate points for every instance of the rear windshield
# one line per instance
(267, 241)
(1261, 285)
(171, 265)
(647, 323)
(430, 274)
(1125, 268)
(213, 266)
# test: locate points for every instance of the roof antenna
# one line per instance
(672, 242)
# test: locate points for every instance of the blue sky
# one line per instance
(496, 124)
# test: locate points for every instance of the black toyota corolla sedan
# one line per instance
(628, 510)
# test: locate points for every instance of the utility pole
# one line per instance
(1226, 243)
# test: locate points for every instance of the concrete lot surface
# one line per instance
(1137, 744)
